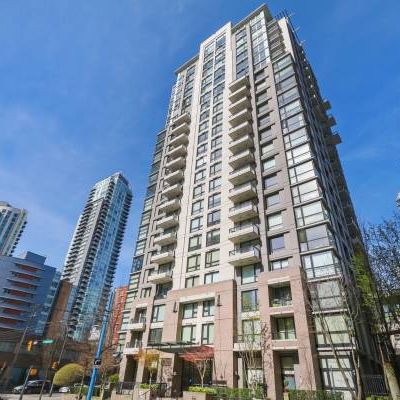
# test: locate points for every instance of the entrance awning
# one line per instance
(175, 347)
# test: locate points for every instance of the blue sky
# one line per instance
(85, 87)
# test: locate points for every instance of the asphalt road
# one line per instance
(56, 396)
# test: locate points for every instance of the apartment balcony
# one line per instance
(133, 348)
(182, 127)
(241, 144)
(240, 159)
(177, 140)
(235, 85)
(168, 222)
(240, 130)
(171, 205)
(174, 177)
(330, 121)
(238, 89)
(243, 192)
(239, 105)
(178, 151)
(243, 233)
(163, 258)
(243, 211)
(326, 105)
(160, 277)
(185, 117)
(172, 191)
(176, 163)
(242, 175)
(138, 324)
(165, 239)
(240, 117)
(248, 255)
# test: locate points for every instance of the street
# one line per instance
(11, 396)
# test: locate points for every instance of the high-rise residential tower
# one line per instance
(93, 254)
(247, 224)
(12, 223)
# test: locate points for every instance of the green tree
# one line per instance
(68, 375)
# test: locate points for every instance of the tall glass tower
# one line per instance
(12, 224)
(93, 253)
(248, 228)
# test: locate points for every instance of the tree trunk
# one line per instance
(391, 380)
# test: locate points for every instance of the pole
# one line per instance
(21, 395)
(18, 349)
(99, 348)
(59, 359)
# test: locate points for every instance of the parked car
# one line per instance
(64, 389)
(33, 387)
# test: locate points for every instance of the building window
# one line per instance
(214, 200)
(215, 168)
(214, 218)
(197, 207)
(293, 123)
(202, 137)
(310, 214)
(193, 263)
(196, 224)
(321, 264)
(146, 292)
(251, 329)
(188, 333)
(285, 329)
(202, 149)
(295, 138)
(216, 155)
(212, 237)
(270, 181)
(216, 129)
(194, 243)
(280, 296)
(315, 237)
(198, 190)
(155, 335)
(212, 258)
(267, 148)
(189, 311)
(305, 191)
(298, 154)
(249, 273)
(215, 184)
(276, 243)
(332, 328)
(274, 221)
(272, 199)
(279, 264)
(216, 142)
(199, 175)
(192, 281)
(211, 277)
(201, 161)
(208, 308)
(249, 300)
(207, 333)
(158, 313)
(269, 163)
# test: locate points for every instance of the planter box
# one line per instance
(196, 396)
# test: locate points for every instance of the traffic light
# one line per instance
(29, 345)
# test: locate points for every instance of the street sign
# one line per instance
(97, 362)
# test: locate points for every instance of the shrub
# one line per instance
(242, 393)
(373, 397)
(153, 387)
(202, 389)
(68, 375)
(314, 395)
(85, 388)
